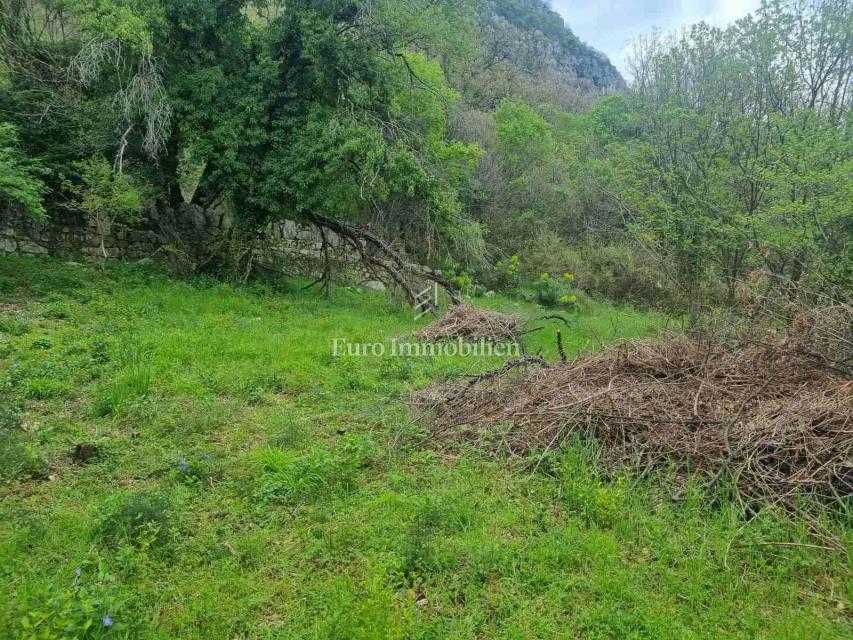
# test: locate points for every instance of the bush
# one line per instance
(42, 343)
(617, 271)
(551, 292)
(622, 273)
(20, 176)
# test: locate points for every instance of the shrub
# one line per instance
(621, 273)
(20, 176)
(617, 271)
(106, 197)
(551, 292)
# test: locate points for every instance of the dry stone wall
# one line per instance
(291, 248)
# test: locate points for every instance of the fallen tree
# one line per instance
(382, 260)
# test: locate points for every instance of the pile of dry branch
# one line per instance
(468, 322)
(771, 415)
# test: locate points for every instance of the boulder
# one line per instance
(374, 285)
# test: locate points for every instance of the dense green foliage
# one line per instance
(730, 159)
(463, 132)
(20, 182)
(247, 484)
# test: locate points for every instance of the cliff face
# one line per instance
(534, 37)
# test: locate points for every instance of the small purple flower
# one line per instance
(207, 456)
(184, 467)
(107, 620)
(78, 571)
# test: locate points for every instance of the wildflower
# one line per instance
(108, 621)
(78, 571)
(184, 467)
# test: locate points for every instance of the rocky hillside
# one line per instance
(533, 36)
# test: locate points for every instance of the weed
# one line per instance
(42, 343)
(141, 519)
(45, 388)
(16, 460)
(14, 325)
(130, 385)
(86, 606)
(289, 480)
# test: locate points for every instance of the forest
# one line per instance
(669, 245)
(467, 134)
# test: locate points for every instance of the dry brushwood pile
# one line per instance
(468, 322)
(771, 415)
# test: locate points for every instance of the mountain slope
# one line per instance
(553, 43)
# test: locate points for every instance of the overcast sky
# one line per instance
(610, 26)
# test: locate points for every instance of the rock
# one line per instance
(288, 229)
(8, 245)
(490, 294)
(32, 248)
(375, 285)
(194, 214)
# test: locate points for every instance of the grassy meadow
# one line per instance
(247, 484)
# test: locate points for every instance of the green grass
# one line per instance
(245, 486)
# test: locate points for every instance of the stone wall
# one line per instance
(292, 249)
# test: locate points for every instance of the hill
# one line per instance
(562, 51)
